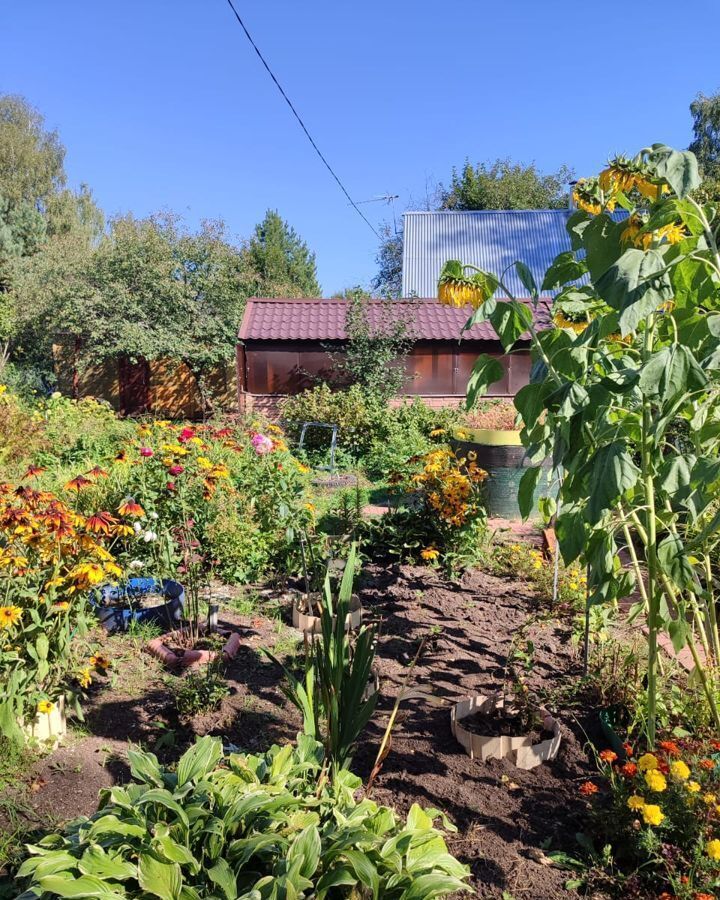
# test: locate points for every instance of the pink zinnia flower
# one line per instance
(185, 435)
(171, 485)
(176, 470)
(261, 444)
(146, 451)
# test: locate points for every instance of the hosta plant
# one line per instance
(243, 828)
(624, 398)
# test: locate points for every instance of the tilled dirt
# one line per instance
(505, 817)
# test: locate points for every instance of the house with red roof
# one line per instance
(287, 345)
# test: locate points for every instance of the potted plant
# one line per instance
(194, 642)
(491, 437)
(142, 600)
(507, 724)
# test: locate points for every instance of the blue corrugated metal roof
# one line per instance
(489, 239)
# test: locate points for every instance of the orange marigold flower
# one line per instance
(588, 788)
(708, 764)
(629, 770)
(130, 508)
(628, 749)
(670, 747)
(704, 896)
(608, 756)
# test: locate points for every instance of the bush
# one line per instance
(247, 827)
(380, 436)
(662, 816)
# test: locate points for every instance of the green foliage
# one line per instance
(202, 691)
(505, 185)
(247, 827)
(379, 340)
(338, 667)
(626, 402)
(388, 281)
(369, 430)
(283, 265)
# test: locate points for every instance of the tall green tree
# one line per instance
(282, 262)
(504, 184)
(149, 290)
(388, 281)
(705, 111)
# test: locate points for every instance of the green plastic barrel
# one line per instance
(503, 457)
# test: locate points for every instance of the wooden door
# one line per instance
(134, 378)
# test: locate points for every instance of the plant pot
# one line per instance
(501, 454)
(519, 749)
(48, 726)
(160, 648)
(115, 610)
(311, 624)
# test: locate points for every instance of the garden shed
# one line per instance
(287, 345)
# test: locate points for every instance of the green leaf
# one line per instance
(199, 760)
(166, 799)
(95, 861)
(673, 559)
(511, 319)
(671, 371)
(486, 371)
(67, 885)
(436, 885)
(635, 286)
(307, 846)
(678, 167)
(601, 240)
(570, 529)
(612, 473)
(223, 876)
(527, 278)
(526, 490)
(564, 269)
(145, 767)
(164, 880)
(530, 402)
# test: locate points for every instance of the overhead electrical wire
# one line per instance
(300, 121)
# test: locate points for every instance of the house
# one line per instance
(285, 346)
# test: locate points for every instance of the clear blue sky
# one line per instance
(162, 104)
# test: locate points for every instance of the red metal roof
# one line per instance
(271, 319)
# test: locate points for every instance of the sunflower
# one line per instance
(455, 288)
(9, 616)
(560, 320)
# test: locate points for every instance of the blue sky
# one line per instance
(162, 104)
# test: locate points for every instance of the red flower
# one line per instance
(608, 756)
(663, 767)
(629, 770)
(147, 452)
(185, 435)
(588, 788)
(670, 747)
(176, 470)
(170, 485)
(628, 749)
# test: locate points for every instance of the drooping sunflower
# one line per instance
(456, 288)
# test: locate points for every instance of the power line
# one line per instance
(302, 124)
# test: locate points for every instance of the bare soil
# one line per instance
(506, 817)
